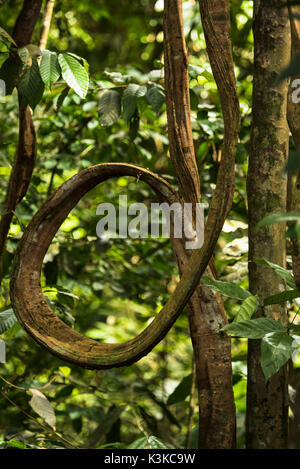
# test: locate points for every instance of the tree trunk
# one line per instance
(206, 313)
(267, 403)
(26, 152)
(46, 23)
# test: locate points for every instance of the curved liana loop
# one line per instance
(27, 298)
(29, 302)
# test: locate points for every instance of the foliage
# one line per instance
(108, 289)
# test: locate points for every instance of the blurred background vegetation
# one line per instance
(111, 289)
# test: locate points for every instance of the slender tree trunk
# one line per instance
(294, 124)
(294, 206)
(48, 11)
(205, 309)
(26, 152)
(267, 403)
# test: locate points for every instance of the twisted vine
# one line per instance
(27, 298)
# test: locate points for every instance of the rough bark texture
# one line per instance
(26, 152)
(205, 309)
(294, 124)
(294, 206)
(46, 328)
(267, 404)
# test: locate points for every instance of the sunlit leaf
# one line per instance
(74, 74)
(49, 68)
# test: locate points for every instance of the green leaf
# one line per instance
(280, 271)
(195, 72)
(49, 68)
(10, 72)
(13, 444)
(156, 97)
(31, 86)
(7, 320)
(276, 350)
(129, 99)
(147, 443)
(247, 309)
(74, 74)
(278, 218)
(282, 297)
(140, 443)
(109, 107)
(81, 59)
(5, 37)
(254, 328)
(181, 391)
(155, 443)
(292, 70)
(226, 288)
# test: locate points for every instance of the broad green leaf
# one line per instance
(226, 288)
(7, 320)
(254, 328)
(42, 407)
(282, 297)
(49, 68)
(31, 86)
(81, 59)
(140, 443)
(247, 309)
(74, 74)
(276, 350)
(293, 68)
(147, 443)
(278, 218)
(5, 37)
(281, 271)
(156, 97)
(109, 107)
(10, 72)
(181, 391)
(129, 99)
(155, 443)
